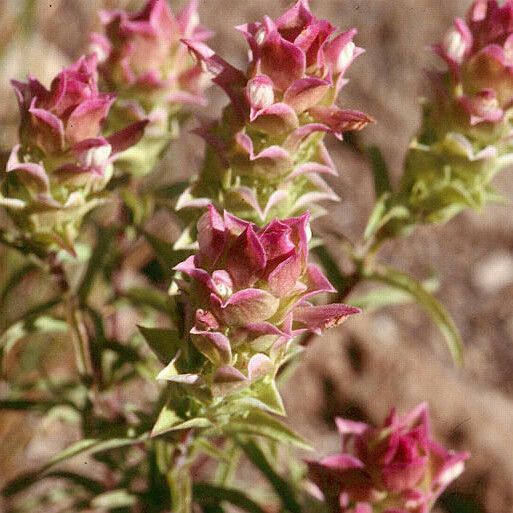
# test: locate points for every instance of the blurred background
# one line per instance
(392, 357)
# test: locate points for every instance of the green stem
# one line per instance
(80, 339)
(75, 319)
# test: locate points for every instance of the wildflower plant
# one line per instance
(207, 326)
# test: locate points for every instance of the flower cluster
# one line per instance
(144, 61)
(397, 468)
(466, 135)
(266, 157)
(62, 162)
(246, 294)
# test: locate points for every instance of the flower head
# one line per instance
(143, 60)
(246, 294)
(479, 53)
(465, 138)
(268, 148)
(62, 160)
(395, 468)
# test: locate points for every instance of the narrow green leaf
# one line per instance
(165, 252)
(211, 450)
(257, 457)
(171, 191)
(206, 494)
(379, 171)
(165, 343)
(390, 296)
(29, 479)
(27, 405)
(15, 278)
(83, 447)
(95, 264)
(114, 499)
(168, 423)
(432, 306)
(92, 446)
(23, 328)
(153, 298)
(212, 508)
(259, 423)
(376, 216)
(382, 214)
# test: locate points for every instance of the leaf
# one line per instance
(153, 298)
(95, 264)
(390, 296)
(92, 446)
(382, 214)
(259, 423)
(165, 343)
(165, 252)
(266, 392)
(333, 273)
(26, 405)
(437, 312)
(171, 191)
(379, 171)
(257, 457)
(212, 508)
(169, 421)
(85, 482)
(15, 278)
(23, 328)
(211, 450)
(84, 447)
(114, 499)
(207, 494)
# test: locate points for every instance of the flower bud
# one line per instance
(397, 467)
(148, 67)
(53, 177)
(266, 157)
(246, 294)
(465, 138)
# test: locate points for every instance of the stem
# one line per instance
(80, 339)
(75, 319)
(178, 474)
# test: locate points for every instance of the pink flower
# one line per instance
(396, 468)
(143, 60)
(246, 293)
(479, 52)
(141, 53)
(271, 134)
(62, 157)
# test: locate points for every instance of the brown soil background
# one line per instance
(391, 357)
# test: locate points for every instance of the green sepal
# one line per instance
(165, 343)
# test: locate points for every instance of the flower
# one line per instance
(267, 154)
(465, 138)
(144, 62)
(397, 468)
(62, 161)
(246, 294)
(479, 53)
